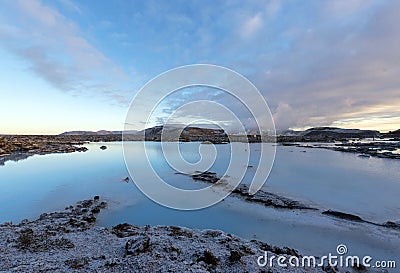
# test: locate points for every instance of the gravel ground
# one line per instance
(69, 241)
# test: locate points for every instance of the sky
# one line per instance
(76, 65)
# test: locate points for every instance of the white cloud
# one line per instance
(342, 8)
(56, 50)
(251, 26)
(338, 70)
(272, 7)
(327, 61)
(69, 4)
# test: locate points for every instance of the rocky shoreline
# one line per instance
(18, 147)
(69, 241)
(381, 149)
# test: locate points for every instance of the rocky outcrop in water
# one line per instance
(356, 218)
(344, 216)
(262, 197)
(269, 199)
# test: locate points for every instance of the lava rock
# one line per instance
(138, 244)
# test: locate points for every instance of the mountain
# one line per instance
(333, 132)
(168, 133)
(194, 133)
(98, 133)
(289, 133)
(395, 134)
(189, 133)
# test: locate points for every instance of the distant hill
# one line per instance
(289, 133)
(326, 134)
(170, 131)
(395, 134)
(92, 133)
(188, 133)
(333, 132)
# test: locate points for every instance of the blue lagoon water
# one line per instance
(325, 179)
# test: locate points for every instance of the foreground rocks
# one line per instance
(69, 241)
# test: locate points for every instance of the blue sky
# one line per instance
(76, 65)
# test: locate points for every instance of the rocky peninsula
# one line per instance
(17, 147)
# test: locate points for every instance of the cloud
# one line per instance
(316, 63)
(334, 68)
(272, 7)
(326, 63)
(343, 8)
(55, 49)
(283, 114)
(251, 26)
(69, 4)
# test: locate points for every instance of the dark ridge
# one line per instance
(262, 197)
(343, 215)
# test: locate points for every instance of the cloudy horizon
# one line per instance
(76, 65)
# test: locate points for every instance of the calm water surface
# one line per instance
(322, 178)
